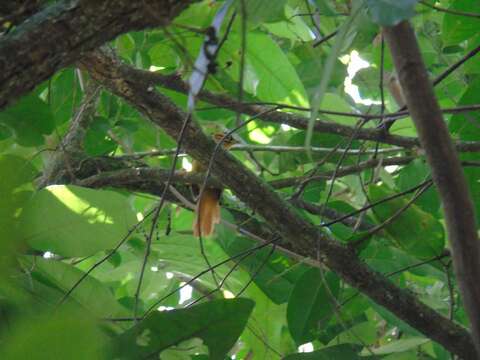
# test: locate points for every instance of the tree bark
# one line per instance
(445, 165)
(61, 33)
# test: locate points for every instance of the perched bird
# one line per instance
(207, 211)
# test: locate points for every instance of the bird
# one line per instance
(207, 209)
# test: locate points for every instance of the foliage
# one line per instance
(93, 241)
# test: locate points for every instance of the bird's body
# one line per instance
(207, 211)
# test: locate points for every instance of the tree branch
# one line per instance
(70, 150)
(342, 171)
(272, 148)
(301, 236)
(58, 35)
(174, 82)
(17, 11)
(446, 170)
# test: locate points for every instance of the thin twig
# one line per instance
(200, 274)
(157, 213)
(388, 198)
(105, 258)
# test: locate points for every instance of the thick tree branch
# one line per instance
(143, 178)
(14, 12)
(152, 181)
(302, 237)
(446, 170)
(57, 37)
(135, 177)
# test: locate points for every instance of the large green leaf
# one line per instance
(15, 189)
(415, 231)
(218, 323)
(69, 335)
(30, 118)
(294, 28)
(336, 327)
(267, 319)
(311, 304)
(270, 78)
(64, 95)
(183, 253)
(413, 174)
(74, 221)
(271, 271)
(264, 11)
(90, 293)
(291, 160)
(17, 173)
(97, 139)
(391, 12)
(459, 28)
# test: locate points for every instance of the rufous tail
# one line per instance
(207, 213)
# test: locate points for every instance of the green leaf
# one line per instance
(218, 323)
(291, 161)
(308, 61)
(65, 95)
(163, 56)
(294, 29)
(391, 12)
(30, 118)
(311, 304)
(336, 327)
(264, 11)
(325, 8)
(97, 140)
(186, 350)
(90, 293)
(17, 174)
(273, 273)
(412, 175)
(269, 320)
(337, 352)
(270, 78)
(387, 259)
(457, 28)
(398, 346)
(465, 127)
(69, 335)
(74, 221)
(415, 231)
(199, 14)
(183, 253)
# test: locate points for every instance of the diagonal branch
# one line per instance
(301, 236)
(446, 169)
(58, 35)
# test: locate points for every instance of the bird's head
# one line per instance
(227, 140)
